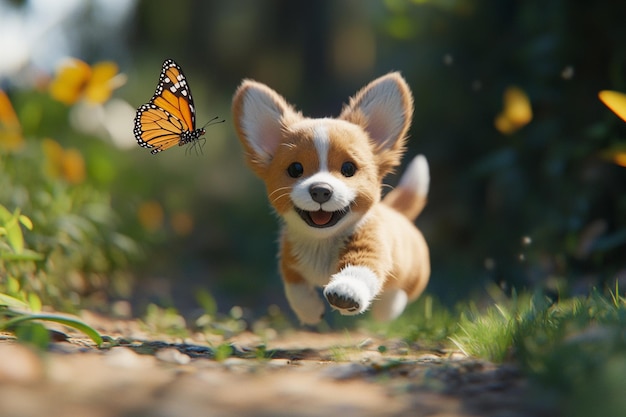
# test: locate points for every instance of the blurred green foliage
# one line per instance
(19, 304)
(75, 232)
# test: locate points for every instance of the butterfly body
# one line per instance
(189, 136)
(169, 118)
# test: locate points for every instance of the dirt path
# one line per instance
(294, 374)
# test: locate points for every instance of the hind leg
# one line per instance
(389, 305)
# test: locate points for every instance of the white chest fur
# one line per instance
(316, 258)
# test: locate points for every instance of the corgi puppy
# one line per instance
(324, 180)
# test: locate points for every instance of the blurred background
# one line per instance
(528, 167)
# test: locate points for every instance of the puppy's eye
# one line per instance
(348, 169)
(295, 170)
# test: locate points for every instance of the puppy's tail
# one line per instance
(409, 197)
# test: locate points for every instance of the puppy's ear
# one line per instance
(383, 109)
(260, 115)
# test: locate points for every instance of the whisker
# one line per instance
(277, 190)
(279, 197)
(285, 193)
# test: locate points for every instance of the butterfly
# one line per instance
(169, 118)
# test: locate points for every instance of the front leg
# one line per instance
(363, 266)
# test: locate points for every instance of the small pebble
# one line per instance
(346, 371)
(457, 356)
(123, 357)
(429, 358)
(172, 355)
(279, 363)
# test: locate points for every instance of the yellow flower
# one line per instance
(53, 153)
(620, 159)
(615, 101)
(11, 138)
(76, 80)
(517, 111)
(73, 166)
(61, 163)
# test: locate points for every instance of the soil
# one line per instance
(292, 373)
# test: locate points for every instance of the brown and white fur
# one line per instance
(324, 179)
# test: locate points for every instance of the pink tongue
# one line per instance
(320, 217)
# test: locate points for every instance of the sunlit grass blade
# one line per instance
(12, 302)
(26, 255)
(66, 321)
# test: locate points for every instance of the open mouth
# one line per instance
(321, 218)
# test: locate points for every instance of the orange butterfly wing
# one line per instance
(156, 128)
(169, 118)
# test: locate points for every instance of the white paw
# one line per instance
(305, 302)
(352, 289)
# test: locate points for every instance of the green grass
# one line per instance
(34, 333)
(20, 308)
(426, 322)
(573, 350)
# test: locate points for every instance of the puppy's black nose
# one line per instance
(320, 192)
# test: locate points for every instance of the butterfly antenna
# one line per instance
(213, 121)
